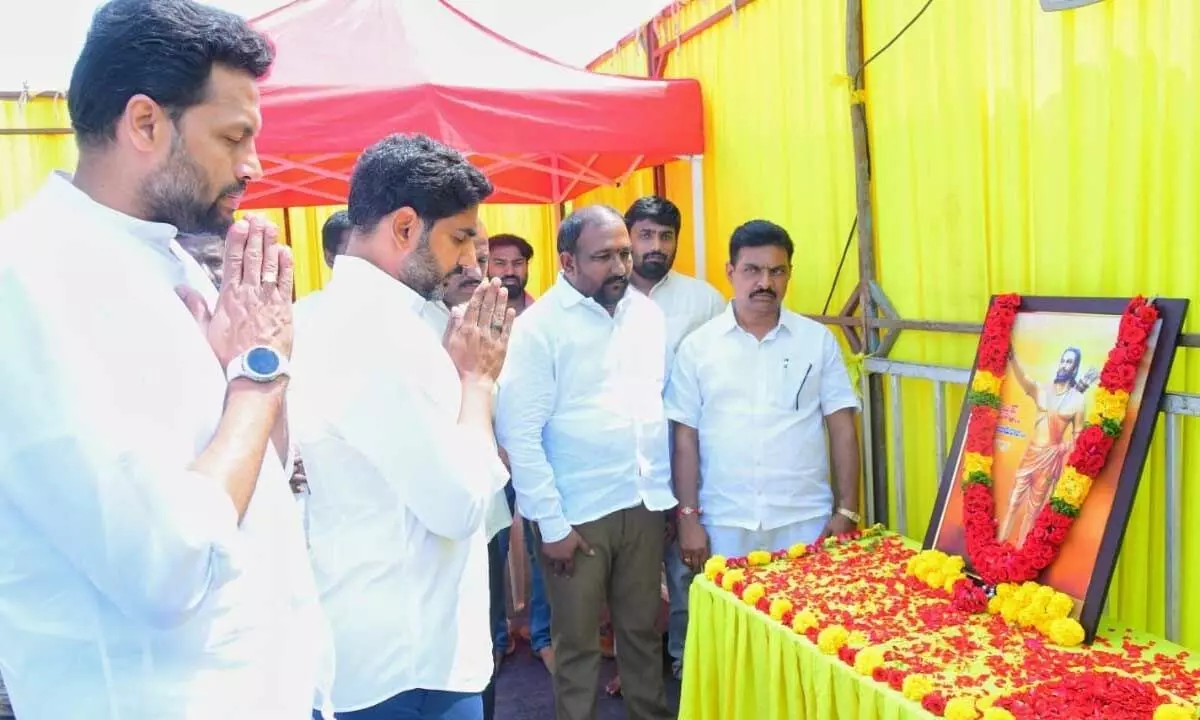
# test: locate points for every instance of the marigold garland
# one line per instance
(1000, 562)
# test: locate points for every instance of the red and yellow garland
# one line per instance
(1000, 562)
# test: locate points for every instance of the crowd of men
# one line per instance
(157, 563)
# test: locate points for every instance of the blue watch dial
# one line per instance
(262, 361)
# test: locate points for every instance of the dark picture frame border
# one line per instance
(1171, 313)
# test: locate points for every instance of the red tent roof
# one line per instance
(349, 72)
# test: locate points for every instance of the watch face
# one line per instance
(262, 361)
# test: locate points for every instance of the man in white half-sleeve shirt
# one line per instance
(751, 396)
(395, 429)
(580, 414)
(687, 303)
(153, 562)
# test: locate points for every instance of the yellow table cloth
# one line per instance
(741, 664)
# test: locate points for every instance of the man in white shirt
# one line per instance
(687, 303)
(751, 397)
(335, 234)
(396, 431)
(581, 415)
(154, 565)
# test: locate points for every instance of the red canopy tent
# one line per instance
(349, 72)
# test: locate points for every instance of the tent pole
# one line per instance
(698, 239)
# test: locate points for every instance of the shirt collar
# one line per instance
(360, 276)
(60, 190)
(656, 287)
(729, 321)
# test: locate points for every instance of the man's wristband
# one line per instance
(850, 515)
(687, 510)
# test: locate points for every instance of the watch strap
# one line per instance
(849, 515)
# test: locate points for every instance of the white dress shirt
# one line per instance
(128, 589)
(399, 491)
(760, 408)
(437, 315)
(580, 409)
(686, 303)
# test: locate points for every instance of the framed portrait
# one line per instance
(1048, 396)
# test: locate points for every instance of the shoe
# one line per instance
(546, 655)
(613, 688)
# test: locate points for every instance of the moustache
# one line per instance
(236, 190)
(765, 292)
(655, 257)
(616, 279)
(510, 280)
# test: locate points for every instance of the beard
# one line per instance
(611, 290)
(420, 271)
(1065, 376)
(176, 193)
(514, 284)
(653, 267)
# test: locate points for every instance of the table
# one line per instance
(740, 663)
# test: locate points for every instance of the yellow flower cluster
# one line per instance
(960, 708)
(1167, 711)
(985, 382)
(714, 565)
(798, 550)
(975, 462)
(752, 593)
(779, 608)
(868, 659)
(758, 557)
(995, 713)
(1038, 606)
(1108, 405)
(936, 569)
(832, 639)
(1072, 487)
(804, 621)
(916, 687)
(733, 577)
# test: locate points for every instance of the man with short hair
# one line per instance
(752, 395)
(154, 562)
(509, 261)
(335, 233)
(395, 426)
(580, 414)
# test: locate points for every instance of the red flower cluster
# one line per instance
(969, 597)
(935, 703)
(1088, 694)
(999, 562)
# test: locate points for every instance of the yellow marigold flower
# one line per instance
(986, 702)
(995, 713)
(832, 639)
(935, 579)
(733, 577)
(804, 620)
(1030, 616)
(1059, 606)
(1044, 592)
(1010, 609)
(953, 564)
(994, 604)
(985, 382)
(916, 687)
(948, 586)
(1094, 417)
(753, 592)
(868, 659)
(1003, 590)
(797, 550)
(779, 608)
(1066, 632)
(974, 462)
(960, 708)
(1072, 487)
(1168, 711)
(1112, 406)
(758, 557)
(714, 565)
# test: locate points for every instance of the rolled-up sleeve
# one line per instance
(526, 401)
(682, 398)
(445, 473)
(90, 470)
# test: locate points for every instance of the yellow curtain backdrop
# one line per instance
(1013, 150)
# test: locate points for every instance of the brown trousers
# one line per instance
(626, 572)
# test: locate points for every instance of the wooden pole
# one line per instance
(866, 256)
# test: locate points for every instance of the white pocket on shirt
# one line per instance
(797, 390)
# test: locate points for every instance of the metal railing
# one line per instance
(1175, 406)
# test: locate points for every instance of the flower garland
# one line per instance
(1000, 562)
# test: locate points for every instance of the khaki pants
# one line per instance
(626, 572)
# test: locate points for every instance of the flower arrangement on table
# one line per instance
(918, 623)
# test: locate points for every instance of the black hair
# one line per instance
(510, 240)
(334, 231)
(413, 171)
(759, 233)
(573, 226)
(658, 210)
(163, 49)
